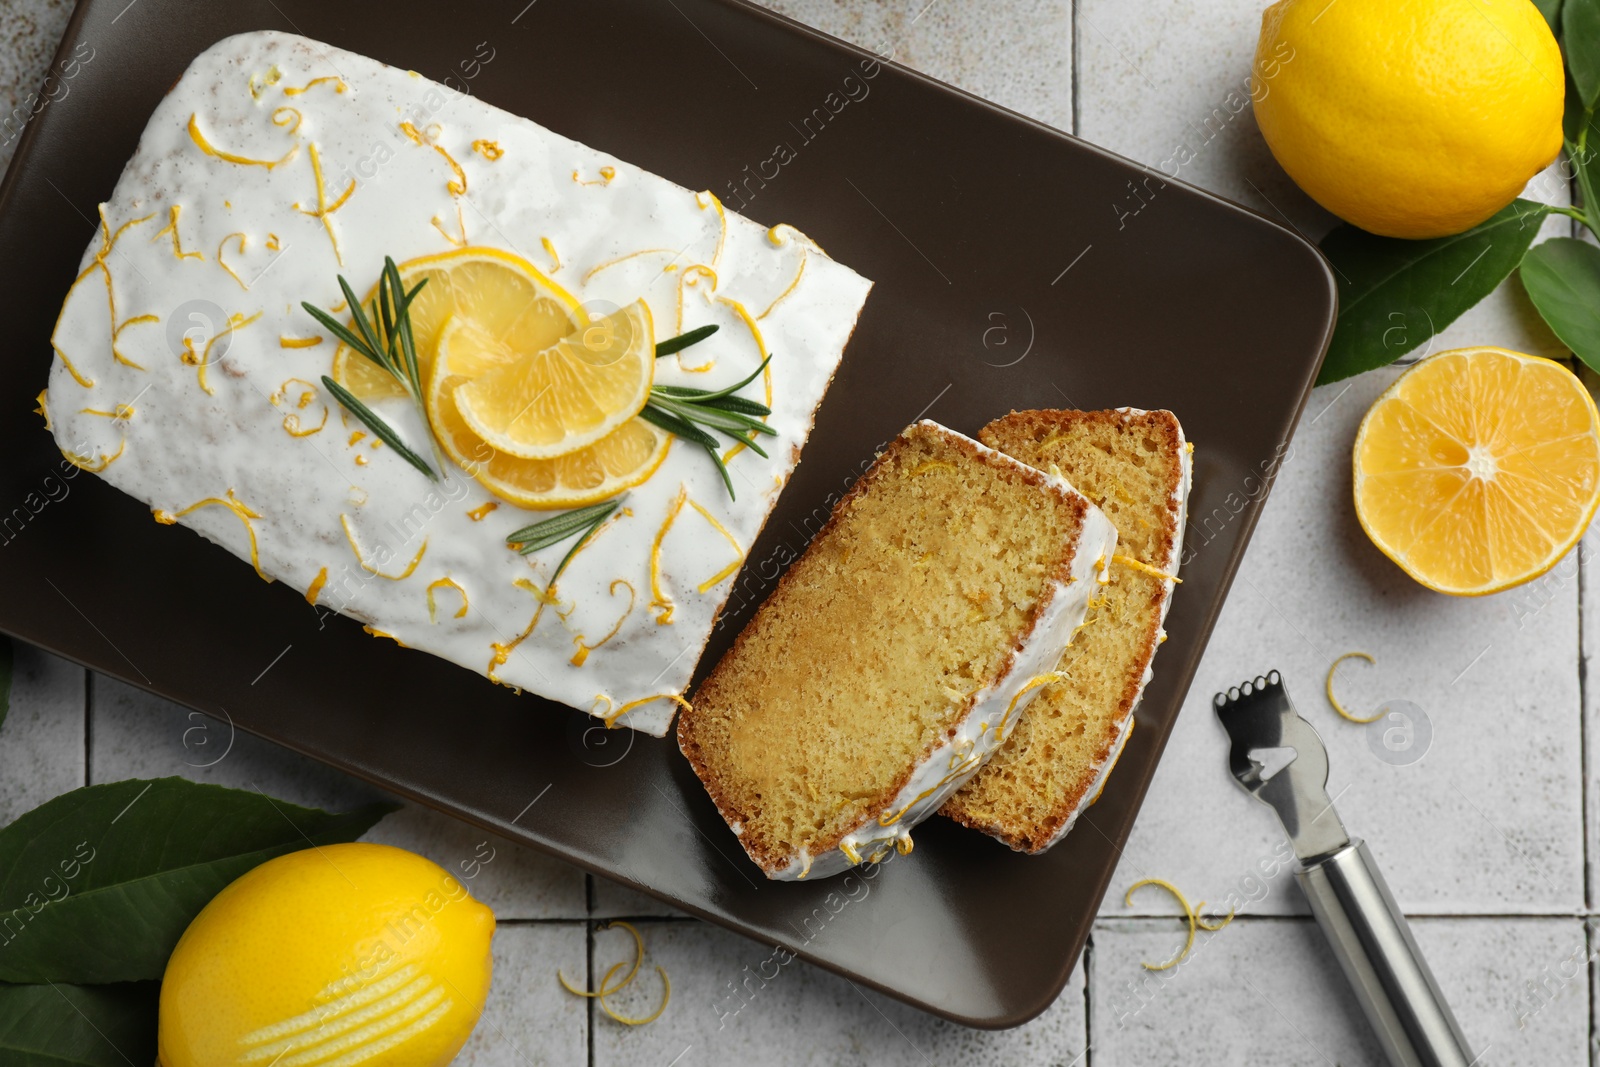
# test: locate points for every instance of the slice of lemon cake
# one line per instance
(1135, 466)
(205, 364)
(895, 654)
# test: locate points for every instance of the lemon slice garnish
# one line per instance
(511, 307)
(623, 458)
(550, 403)
(1478, 469)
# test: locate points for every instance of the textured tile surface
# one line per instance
(1267, 991)
(529, 1020)
(734, 1001)
(41, 742)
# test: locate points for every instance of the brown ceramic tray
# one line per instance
(1005, 279)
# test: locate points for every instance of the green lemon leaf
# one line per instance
(78, 1026)
(1551, 10)
(1562, 277)
(1580, 32)
(1394, 294)
(97, 884)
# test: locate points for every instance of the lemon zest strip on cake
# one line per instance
(608, 264)
(116, 354)
(1333, 700)
(550, 250)
(244, 512)
(324, 211)
(285, 341)
(582, 654)
(793, 285)
(223, 264)
(607, 176)
(124, 412)
(659, 598)
(488, 149)
(1000, 731)
(236, 321)
(611, 717)
(283, 115)
(93, 466)
(690, 279)
(479, 513)
(461, 226)
(711, 582)
(339, 85)
(314, 590)
(761, 353)
(456, 185)
(350, 536)
(776, 235)
(448, 583)
(1145, 568)
(229, 157)
(704, 199)
(177, 243)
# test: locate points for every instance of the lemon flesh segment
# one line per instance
(571, 394)
(352, 953)
(1478, 469)
(620, 460)
(505, 299)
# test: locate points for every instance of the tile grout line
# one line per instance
(1583, 737)
(588, 953)
(1077, 118)
(1087, 960)
(88, 727)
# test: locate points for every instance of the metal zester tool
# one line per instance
(1277, 757)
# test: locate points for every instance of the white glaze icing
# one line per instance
(1125, 728)
(977, 736)
(286, 498)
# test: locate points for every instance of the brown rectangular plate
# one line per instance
(1005, 279)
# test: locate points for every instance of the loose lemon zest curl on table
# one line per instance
(1145, 568)
(1335, 700)
(607, 989)
(1191, 914)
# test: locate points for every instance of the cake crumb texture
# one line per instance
(868, 654)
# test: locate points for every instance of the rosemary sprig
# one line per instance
(684, 340)
(683, 410)
(584, 521)
(395, 351)
(372, 422)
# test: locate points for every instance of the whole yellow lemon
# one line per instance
(355, 953)
(1409, 118)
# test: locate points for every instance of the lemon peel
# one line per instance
(1190, 914)
(1335, 700)
(607, 989)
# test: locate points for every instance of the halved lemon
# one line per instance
(1478, 469)
(622, 459)
(571, 394)
(509, 303)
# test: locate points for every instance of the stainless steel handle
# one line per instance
(1374, 946)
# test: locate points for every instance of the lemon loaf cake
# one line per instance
(189, 373)
(895, 654)
(1135, 466)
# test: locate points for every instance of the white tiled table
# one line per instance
(1486, 839)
